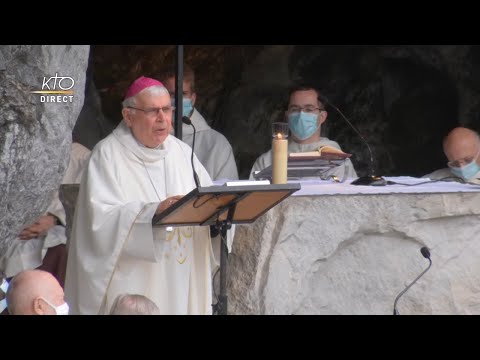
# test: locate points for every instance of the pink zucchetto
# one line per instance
(140, 84)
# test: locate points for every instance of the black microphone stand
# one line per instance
(214, 230)
(426, 254)
(220, 308)
(187, 121)
(372, 179)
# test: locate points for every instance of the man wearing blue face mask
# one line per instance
(212, 148)
(305, 114)
(462, 149)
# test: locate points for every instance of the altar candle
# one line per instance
(279, 158)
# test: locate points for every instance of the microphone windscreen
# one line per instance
(425, 252)
(186, 120)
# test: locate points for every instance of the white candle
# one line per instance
(279, 159)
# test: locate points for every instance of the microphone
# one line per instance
(371, 179)
(214, 231)
(187, 121)
(426, 254)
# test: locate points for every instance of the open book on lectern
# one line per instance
(209, 205)
(302, 168)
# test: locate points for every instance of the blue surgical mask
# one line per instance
(303, 125)
(187, 106)
(468, 171)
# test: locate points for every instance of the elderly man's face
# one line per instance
(152, 121)
(462, 151)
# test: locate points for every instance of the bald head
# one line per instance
(461, 145)
(26, 290)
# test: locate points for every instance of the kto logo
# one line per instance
(56, 89)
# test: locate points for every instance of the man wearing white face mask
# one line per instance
(462, 149)
(306, 114)
(35, 292)
(212, 148)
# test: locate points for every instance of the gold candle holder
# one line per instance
(279, 152)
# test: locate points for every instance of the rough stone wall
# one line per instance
(354, 254)
(35, 137)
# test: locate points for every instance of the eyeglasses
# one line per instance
(307, 109)
(153, 112)
(462, 162)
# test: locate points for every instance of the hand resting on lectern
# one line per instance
(165, 204)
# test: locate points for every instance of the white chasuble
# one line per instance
(114, 249)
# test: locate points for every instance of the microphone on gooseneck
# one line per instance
(426, 254)
(370, 179)
(213, 229)
(187, 121)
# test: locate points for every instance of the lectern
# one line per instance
(222, 206)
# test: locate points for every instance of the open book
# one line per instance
(324, 152)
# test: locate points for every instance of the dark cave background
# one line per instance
(402, 98)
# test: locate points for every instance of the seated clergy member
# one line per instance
(35, 292)
(139, 170)
(462, 149)
(305, 114)
(42, 245)
(211, 147)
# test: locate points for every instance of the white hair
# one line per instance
(155, 90)
(134, 304)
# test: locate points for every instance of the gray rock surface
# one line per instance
(354, 254)
(35, 136)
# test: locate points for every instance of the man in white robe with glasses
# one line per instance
(134, 173)
(211, 147)
(305, 115)
(462, 149)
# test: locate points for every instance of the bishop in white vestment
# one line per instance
(135, 172)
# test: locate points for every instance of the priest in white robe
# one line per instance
(134, 173)
(462, 149)
(305, 114)
(211, 147)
